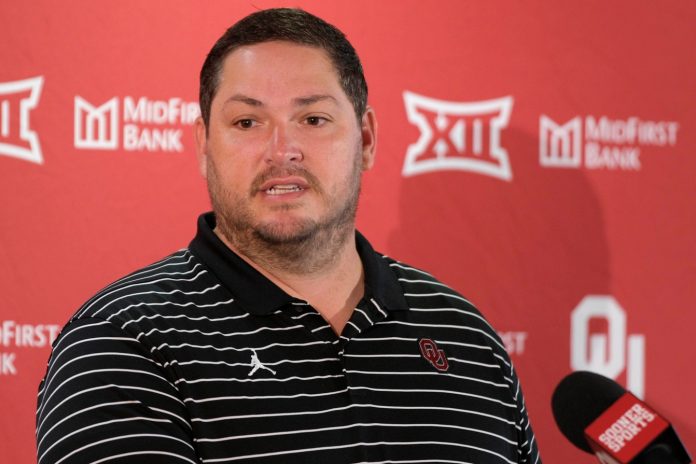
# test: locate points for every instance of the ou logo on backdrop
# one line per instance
(607, 354)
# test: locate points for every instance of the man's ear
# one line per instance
(201, 137)
(368, 129)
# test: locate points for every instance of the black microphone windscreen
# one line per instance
(579, 399)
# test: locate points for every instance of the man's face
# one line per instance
(284, 152)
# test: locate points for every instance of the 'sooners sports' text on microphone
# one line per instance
(599, 416)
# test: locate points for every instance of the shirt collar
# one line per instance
(259, 296)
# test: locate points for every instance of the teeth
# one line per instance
(282, 189)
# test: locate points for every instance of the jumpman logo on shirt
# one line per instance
(256, 364)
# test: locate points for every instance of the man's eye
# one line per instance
(245, 123)
(315, 120)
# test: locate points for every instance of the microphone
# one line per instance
(600, 417)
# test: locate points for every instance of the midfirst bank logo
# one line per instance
(17, 99)
(603, 144)
(463, 136)
(134, 124)
(17, 335)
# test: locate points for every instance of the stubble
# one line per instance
(304, 246)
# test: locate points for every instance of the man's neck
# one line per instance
(333, 289)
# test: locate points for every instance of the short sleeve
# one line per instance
(527, 445)
(106, 399)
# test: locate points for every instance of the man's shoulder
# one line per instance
(418, 283)
(433, 301)
(175, 281)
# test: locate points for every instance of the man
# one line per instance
(279, 335)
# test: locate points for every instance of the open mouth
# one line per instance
(283, 189)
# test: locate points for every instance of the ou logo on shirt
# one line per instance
(607, 354)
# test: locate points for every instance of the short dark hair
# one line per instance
(291, 25)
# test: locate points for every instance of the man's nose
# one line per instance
(283, 146)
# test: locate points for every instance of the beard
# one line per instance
(296, 245)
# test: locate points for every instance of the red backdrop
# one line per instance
(536, 155)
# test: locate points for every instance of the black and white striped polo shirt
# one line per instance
(200, 358)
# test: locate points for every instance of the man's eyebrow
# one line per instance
(299, 101)
(308, 100)
(244, 99)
